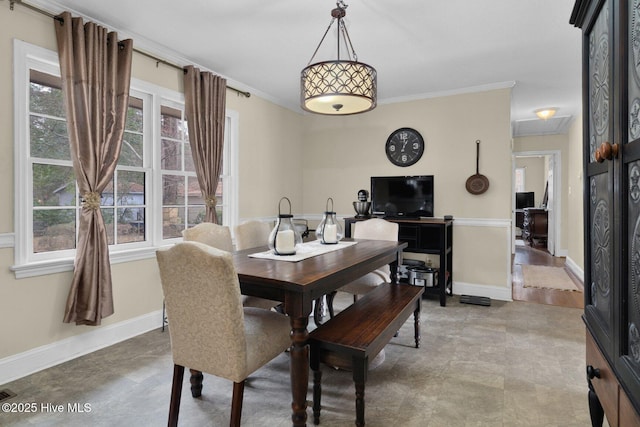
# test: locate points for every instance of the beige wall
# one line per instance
(269, 157)
(342, 153)
(575, 228)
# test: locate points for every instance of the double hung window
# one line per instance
(154, 193)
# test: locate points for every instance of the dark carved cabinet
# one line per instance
(534, 225)
(611, 135)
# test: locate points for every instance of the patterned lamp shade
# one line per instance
(338, 87)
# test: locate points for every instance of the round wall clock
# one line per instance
(404, 147)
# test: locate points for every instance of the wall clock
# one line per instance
(404, 147)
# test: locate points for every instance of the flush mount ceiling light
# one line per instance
(545, 113)
(340, 87)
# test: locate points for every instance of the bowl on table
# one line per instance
(362, 209)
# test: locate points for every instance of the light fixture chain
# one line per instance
(321, 40)
(347, 42)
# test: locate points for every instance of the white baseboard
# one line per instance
(37, 359)
(575, 269)
(500, 293)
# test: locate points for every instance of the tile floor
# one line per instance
(510, 364)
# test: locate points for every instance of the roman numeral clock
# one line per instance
(404, 147)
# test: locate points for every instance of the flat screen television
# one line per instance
(525, 200)
(402, 196)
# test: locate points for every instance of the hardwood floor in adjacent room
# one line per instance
(527, 255)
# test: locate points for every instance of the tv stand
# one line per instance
(426, 236)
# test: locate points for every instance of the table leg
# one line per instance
(393, 267)
(299, 369)
(196, 383)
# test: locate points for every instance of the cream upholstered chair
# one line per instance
(374, 229)
(210, 330)
(252, 234)
(219, 236)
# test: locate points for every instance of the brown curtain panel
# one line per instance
(96, 74)
(205, 99)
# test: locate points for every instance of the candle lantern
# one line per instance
(329, 231)
(284, 238)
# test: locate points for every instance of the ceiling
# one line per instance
(420, 48)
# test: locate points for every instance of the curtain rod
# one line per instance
(141, 52)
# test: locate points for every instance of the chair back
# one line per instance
(252, 234)
(218, 236)
(376, 229)
(202, 296)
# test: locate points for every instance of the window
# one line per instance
(138, 219)
(182, 202)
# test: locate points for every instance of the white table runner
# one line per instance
(304, 251)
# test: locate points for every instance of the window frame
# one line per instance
(29, 264)
(520, 174)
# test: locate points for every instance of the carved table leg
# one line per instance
(360, 368)
(317, 386)
(196, 383)
(393, 268)
(416, 324)
(318, 311)
(299, 360)
(329, 299)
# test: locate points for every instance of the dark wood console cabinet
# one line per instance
(611, 201)
(534, 225)
(426, 236)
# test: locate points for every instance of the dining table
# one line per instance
(298, 283)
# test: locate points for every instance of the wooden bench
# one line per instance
(357, 334)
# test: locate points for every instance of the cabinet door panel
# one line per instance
(599, 295)
(629, 159)
(599, 199)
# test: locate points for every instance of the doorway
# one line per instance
(539, 172)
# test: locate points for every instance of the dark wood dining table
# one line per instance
(298, 284)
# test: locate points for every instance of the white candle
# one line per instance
(330, 233)
(285, 242)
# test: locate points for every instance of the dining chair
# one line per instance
(219, 236)
(252, 234)
(374, 229)
(210, 330)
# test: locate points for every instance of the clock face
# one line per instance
(404, 147)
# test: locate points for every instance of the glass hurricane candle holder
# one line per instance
(329, 231)
(284, 237)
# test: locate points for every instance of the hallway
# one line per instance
(526, 255)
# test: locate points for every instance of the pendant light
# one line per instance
(342, 86)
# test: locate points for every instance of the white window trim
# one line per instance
(523, 174)
(28, 56)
